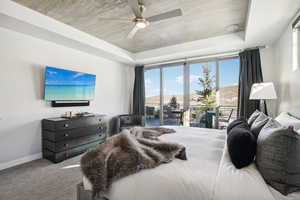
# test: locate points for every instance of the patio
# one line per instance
(203, 119)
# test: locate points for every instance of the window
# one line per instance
(172, 94)
(202, 92)
(228, 89)
(206, 91)
(152, 93)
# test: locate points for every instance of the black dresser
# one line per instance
(63, 138)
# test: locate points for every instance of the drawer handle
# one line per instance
(66, 125)
(66, 134)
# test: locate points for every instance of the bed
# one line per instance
(208, 174)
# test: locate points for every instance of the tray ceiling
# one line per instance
(201, 19)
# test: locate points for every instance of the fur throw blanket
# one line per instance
(150, 133)
(123, 155)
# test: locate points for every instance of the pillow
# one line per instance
(277, 157)
(241, 146)
(287, 120)
(253, 117)
(295, 112)
(259, 123)
(240, 123)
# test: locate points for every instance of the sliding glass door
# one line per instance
(202, 94)
(172, 94)
(228, 91)
(198, 94)
(152, 94)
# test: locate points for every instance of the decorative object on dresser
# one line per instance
(63, 138)
(130, 121)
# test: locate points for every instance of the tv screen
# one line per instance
(61, 84)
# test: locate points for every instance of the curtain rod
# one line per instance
(218, 55)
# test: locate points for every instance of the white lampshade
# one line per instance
(263, 91)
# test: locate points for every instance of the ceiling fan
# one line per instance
(141, 22)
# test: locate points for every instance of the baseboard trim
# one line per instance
(20, 161)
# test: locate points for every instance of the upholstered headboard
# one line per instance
(295, 112)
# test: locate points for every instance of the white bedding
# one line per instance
(208, 174)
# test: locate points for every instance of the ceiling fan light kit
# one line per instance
(138, 8)
(141, 23)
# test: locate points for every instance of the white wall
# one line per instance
(287, 79)
(277, 63)
(267, 64)
(22, 62)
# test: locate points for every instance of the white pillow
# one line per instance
(287, 120)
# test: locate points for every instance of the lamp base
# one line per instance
(263, 106)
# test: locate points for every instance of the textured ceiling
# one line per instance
(201, 19)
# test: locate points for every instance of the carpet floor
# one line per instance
(41, 180)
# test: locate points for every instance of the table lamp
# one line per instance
(263, 91)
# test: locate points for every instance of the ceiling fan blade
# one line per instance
(166, 15)
(114, 19)
(134, 5)
(132, 32)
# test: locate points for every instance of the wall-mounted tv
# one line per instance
(61, 84)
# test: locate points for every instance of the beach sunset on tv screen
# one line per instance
(63, 84)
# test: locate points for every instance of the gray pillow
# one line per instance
(259, 123)
(253, 117)
(277, 157)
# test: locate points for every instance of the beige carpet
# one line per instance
(41, 180)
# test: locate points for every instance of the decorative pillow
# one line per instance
(287, 120)
(253, 117)
(239, 123)
(259, 123)
(241, 146)
(277, 157)
(295, 112)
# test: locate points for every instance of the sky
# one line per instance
(56, 76)
(173, 77)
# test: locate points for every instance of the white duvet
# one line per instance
(208, 174)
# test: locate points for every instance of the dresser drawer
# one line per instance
(58, 124)
(63, 138)
(73, 133)
(69, 144)
(58, 157)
